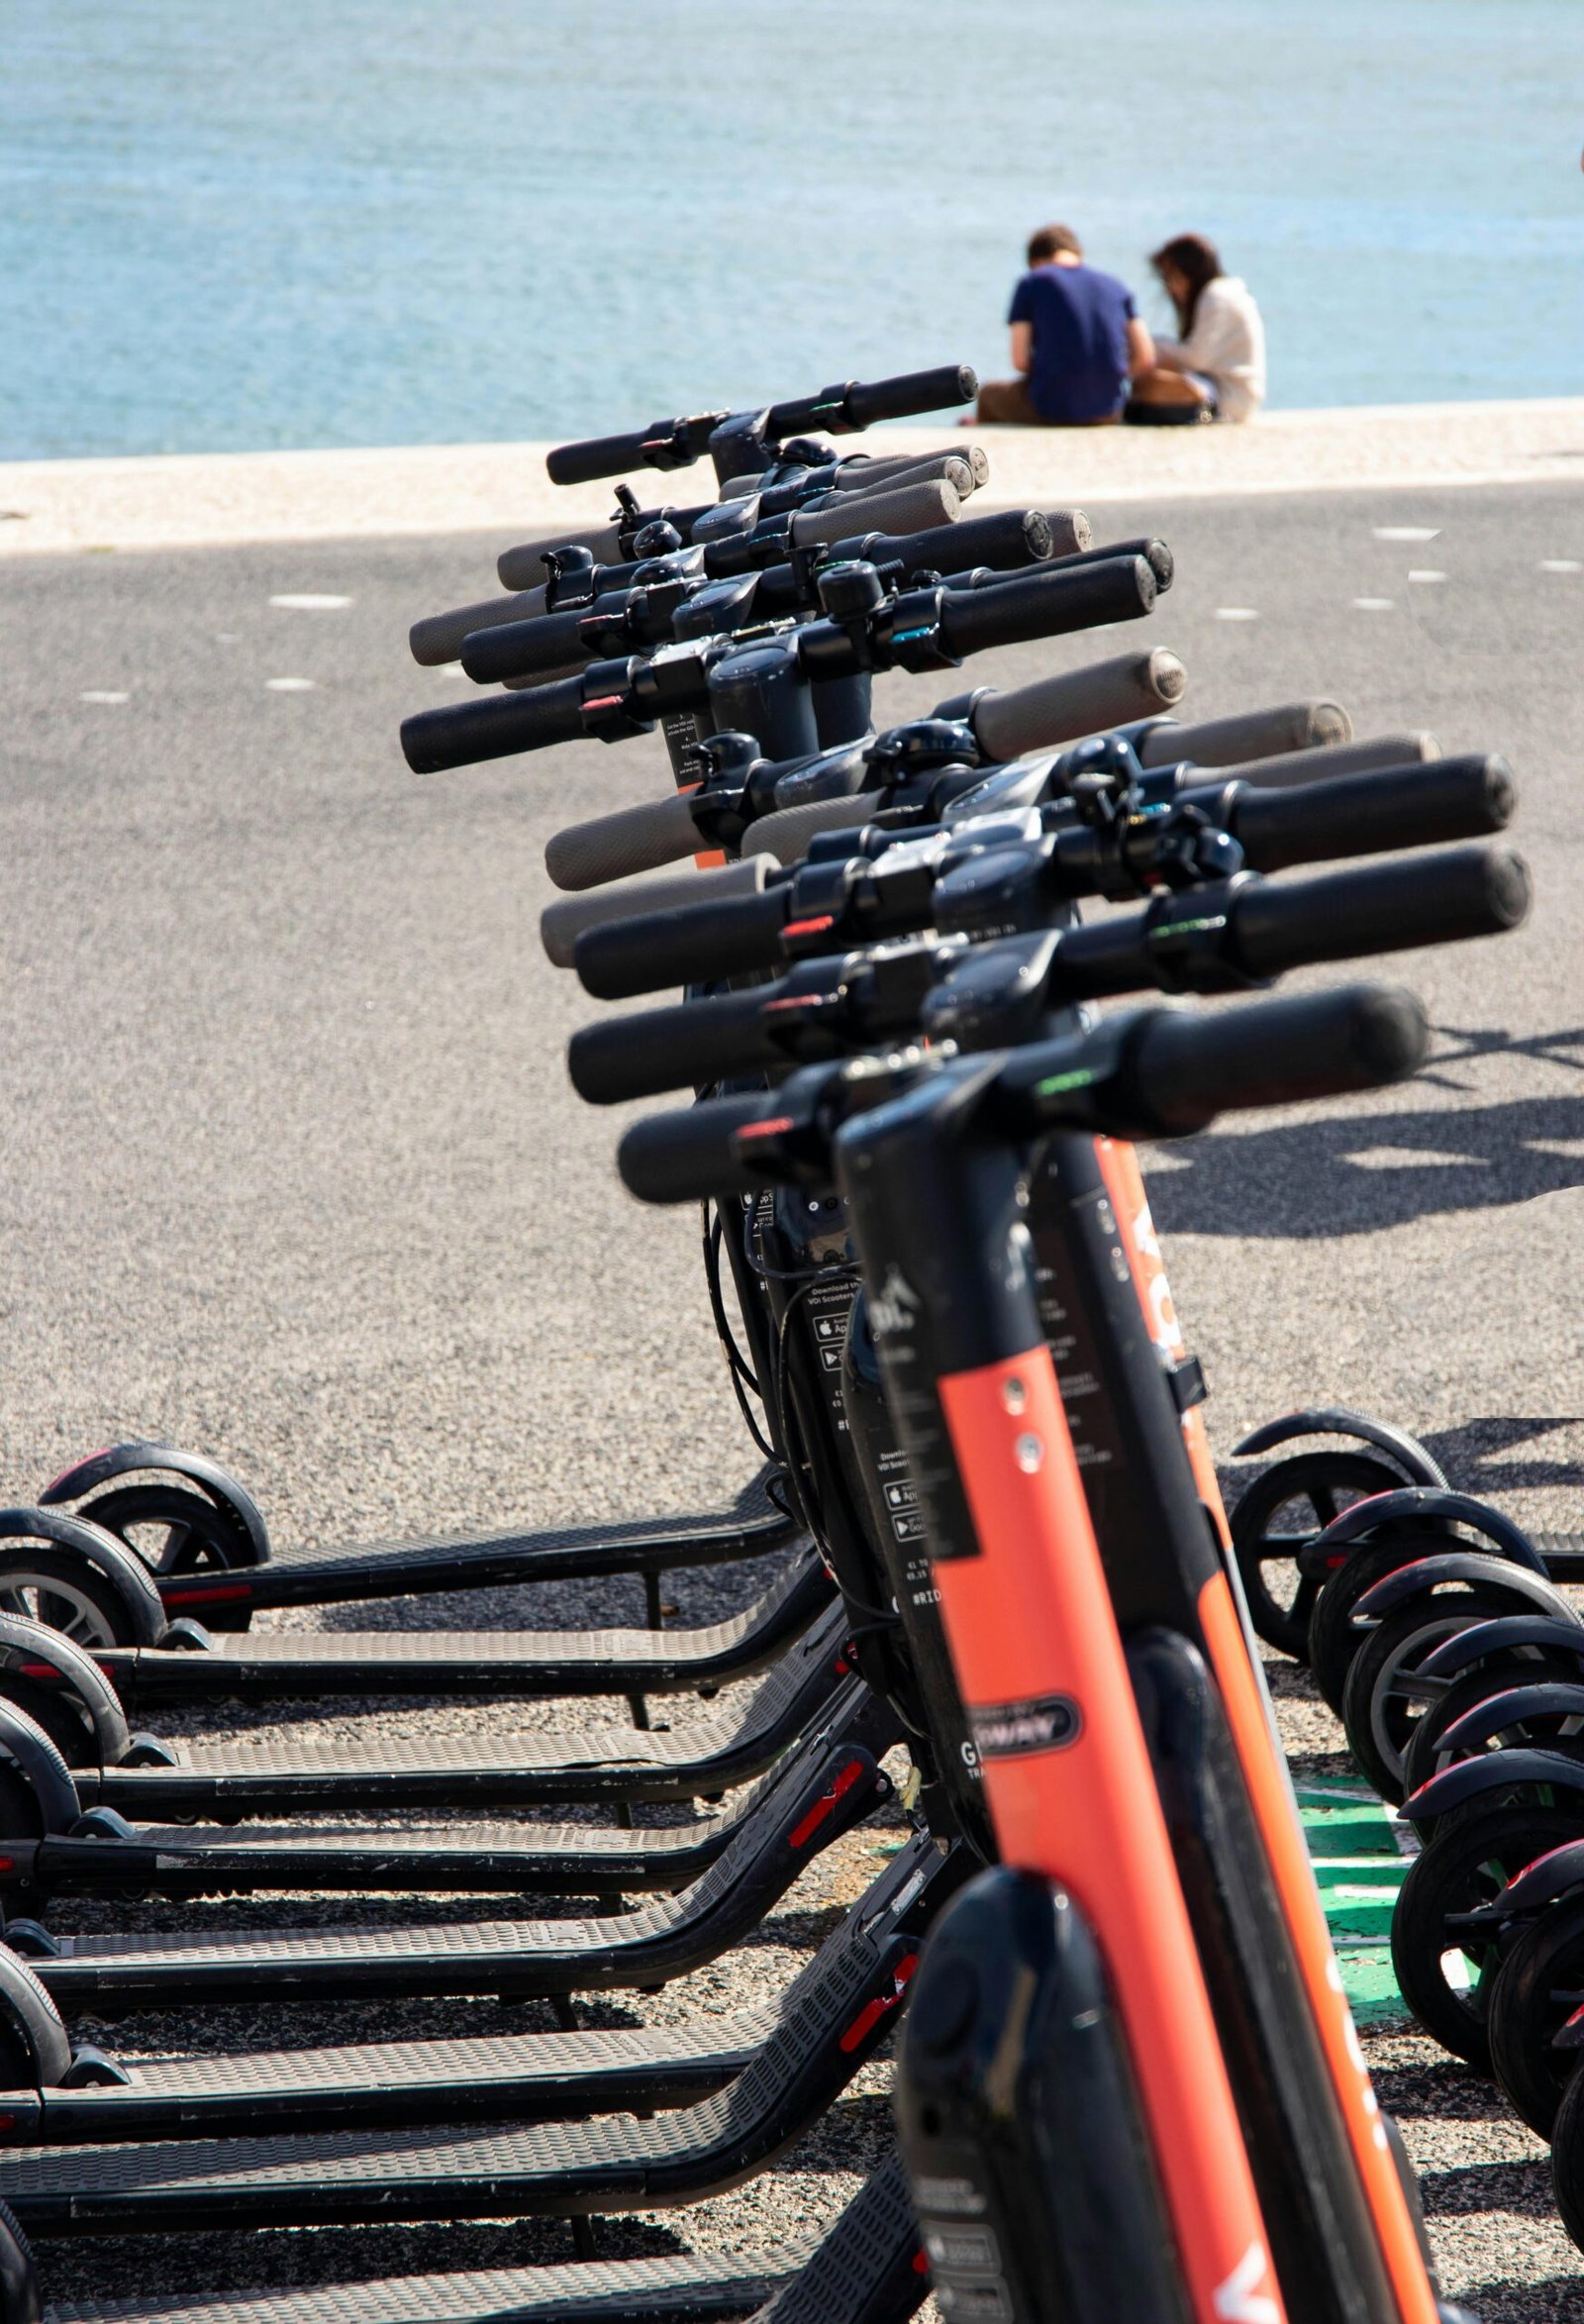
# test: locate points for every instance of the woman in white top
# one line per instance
(1218, 365)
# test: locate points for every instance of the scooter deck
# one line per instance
(866, 2269)
(323, 1574)
(831, 2020)
(486, 1663)
(509, 2078)
(675, 2288)
(281, 1776)
(518, 2077)
(518, 1859)
(833, 1784)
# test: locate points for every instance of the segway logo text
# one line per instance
(1006, 1731)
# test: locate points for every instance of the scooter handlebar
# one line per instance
(1056, 710)
(439, 637)
(461, 734)
(678, 1046)
(1411, 806)
(1187, 1068)
(1251, 733)
(1047, 603)
(718, 937)
(562, 924)
(522, 567)
(613, 846)
(1388, 907)
(688, 1156)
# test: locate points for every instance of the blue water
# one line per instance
(230, 224)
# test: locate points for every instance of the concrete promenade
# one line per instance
(209, 499)
(294, 1172)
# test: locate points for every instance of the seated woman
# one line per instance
(1217, 367)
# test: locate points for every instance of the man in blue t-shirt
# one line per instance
(1076, 341)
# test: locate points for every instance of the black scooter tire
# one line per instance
(1545, 1955)
(1377, 1719)
(1329, 1483)
(1423, 1757)
(1567, 2157)
(207, 1537)
(105, 1615)
(1332, 1639)
(1467, 1863)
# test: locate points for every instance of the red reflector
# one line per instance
(8, 1863)
(920, 2265)
(871, 2013)
(1335, 1564)
(41, 1670)
(210, 1596)
(823, 1806)
(766, 1129)
(815, 927)
(8, 2122)
(604, 702)
(798, 1000)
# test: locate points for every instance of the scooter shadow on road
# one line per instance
(1359, 1172)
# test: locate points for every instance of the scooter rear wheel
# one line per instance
(175, 1530)
(1381, 1706)
(1278, 1515)
(1425, 1756)
(1446, 1975)
(63, 1590)
(1537, 1987)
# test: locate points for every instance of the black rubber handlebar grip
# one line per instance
(908, 395)
(674, 1048)
(562, 924)
(522, 567)
(1249, 734)
(531, 649)
(728, 936)
(910, 508)
(595, 457)
(1056, 710)
(1292, 768)
(874, 475)
(439, 637)
(1389, 907)
(462, 734)
(1008, 539)
(614, 847)
(1371, 814)
(1188, 1067)
(1047, 603)
(687, 1155)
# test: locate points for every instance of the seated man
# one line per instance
(1076, 341)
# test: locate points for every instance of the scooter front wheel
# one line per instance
(175, 1530)
(1277, 1517)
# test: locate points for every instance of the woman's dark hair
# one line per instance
(1197, 259)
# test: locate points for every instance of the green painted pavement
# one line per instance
(1359, 1867)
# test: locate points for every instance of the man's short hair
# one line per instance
(1051, 242)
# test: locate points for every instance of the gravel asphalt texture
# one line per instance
(295, 1175)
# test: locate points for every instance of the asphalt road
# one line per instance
(294, 1172)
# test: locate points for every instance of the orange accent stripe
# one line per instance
(1032, 1616)
(1306, 1920)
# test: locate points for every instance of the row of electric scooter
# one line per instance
(1127, 2069)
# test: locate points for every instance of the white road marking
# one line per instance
(289, 685)
(1561, 564)
(1427, 574)
(305, 601)
(103, 694)
(1406, 531)
(1236, 613)
(1374, 604)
